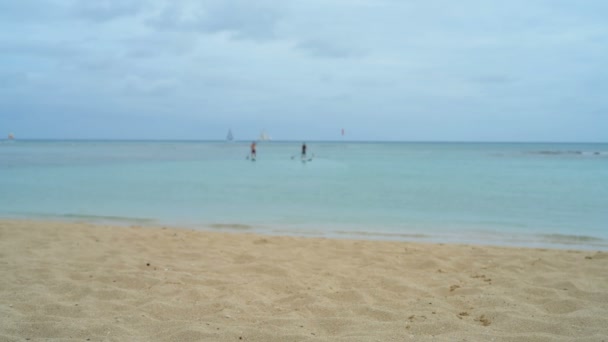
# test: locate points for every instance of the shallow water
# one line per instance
(514, 194)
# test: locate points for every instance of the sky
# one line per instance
(435, 70)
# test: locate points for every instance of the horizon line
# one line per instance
(311, 140)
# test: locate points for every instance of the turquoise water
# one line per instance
(507, 194)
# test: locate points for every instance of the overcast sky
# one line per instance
(468, 70)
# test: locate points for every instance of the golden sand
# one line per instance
(77, 281)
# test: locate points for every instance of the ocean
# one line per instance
(514, 194)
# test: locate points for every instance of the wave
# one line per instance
(103, 218)
(565, 237)
(118, 220)
(569, 152)
(231, 226)
(385, 235)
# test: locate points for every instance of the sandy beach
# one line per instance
(82, 282)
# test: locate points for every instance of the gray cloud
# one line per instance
(151, 46)
(241, 19)
(28, 11)
(324, 49)
(149, 86)
(106, 10)
(39, 49)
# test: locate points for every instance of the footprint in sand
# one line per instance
(483, 320)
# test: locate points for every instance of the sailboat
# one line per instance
(229, 137)
(11, 136)
(264, 136)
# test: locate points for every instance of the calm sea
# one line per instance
(549, 195)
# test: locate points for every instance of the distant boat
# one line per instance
(264, 136)
(11, 136)
(229, 137)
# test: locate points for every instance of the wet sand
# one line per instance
(78, 281)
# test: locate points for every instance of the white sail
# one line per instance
(229, 137)
(264, 136)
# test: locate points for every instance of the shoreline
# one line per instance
(71, 281)
(477, 237)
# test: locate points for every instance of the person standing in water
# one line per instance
(303, 150)
(253, 154)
